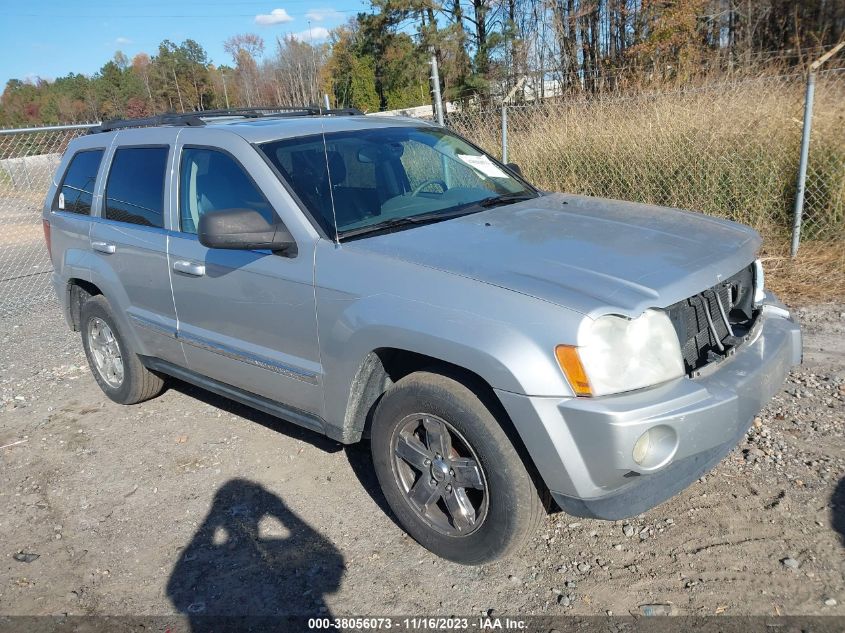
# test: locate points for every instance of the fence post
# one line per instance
(504, 132)
(435, 89)
(798, 211)
(505, 100)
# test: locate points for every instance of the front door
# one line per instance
(246, 318)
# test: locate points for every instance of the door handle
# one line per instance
(103, 247)
(189, 268)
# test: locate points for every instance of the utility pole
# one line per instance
(225, 92)
(313, 60)
(435, 89)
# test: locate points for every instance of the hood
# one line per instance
(591, 255)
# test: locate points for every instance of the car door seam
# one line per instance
(174, 193)
(317, 327)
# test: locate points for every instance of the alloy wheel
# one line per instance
(440, 474)
(106, 352)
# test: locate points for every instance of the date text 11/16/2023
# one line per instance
(478, 623)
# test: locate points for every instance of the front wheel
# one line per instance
(449, 471)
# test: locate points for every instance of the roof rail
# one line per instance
(159, 119)
(198, 118)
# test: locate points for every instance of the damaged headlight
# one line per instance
(616, 354)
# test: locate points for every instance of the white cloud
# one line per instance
(276, 16)
(318, 15)
(315, 34)
(122, 41)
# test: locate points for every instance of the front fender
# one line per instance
(506, 338)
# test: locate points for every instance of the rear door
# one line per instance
(246, 318)
(129, 238)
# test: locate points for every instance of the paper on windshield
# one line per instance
(483, 165)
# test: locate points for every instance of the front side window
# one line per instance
(135, 188)
(211, 180)
(355, 181)
(77, 190)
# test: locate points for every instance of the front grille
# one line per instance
(706, 340)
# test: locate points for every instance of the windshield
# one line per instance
(359, 181)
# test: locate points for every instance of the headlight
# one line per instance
(616, 354)
(759, 283)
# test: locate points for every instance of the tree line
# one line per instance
(380, 59)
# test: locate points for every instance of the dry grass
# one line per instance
(816, 275)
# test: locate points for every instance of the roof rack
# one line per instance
(198, 119)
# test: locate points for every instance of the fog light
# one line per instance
(641, 447)
(655, 448)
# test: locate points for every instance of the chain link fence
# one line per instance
(729, 149)
(28, 160)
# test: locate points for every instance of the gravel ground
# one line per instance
(192, 504)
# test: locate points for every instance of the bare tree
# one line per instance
(245, 50)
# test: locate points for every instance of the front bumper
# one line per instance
(583, 446)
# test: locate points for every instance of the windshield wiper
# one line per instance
(507, 198)
(415, 220)
(437, 216)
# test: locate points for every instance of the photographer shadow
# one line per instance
(253, 563)
(837, 510)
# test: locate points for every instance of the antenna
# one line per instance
(329, 174)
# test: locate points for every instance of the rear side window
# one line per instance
(211, 180)
(77, 190)
(135, 188)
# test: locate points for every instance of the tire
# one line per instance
(504, 513)
(134, 383)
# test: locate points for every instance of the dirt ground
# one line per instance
(192, 504)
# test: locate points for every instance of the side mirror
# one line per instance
(514, 168)
(243, 229)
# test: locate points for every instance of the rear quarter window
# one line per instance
(76, 192)
(135, 187)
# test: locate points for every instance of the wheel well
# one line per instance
(385, 366)
(78, 292)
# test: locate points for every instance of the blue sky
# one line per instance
(51, 38)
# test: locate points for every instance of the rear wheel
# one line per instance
(116, 368)
(449, 471)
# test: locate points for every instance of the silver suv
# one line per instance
(503, 349)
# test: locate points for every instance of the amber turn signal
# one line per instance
(570, 363)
